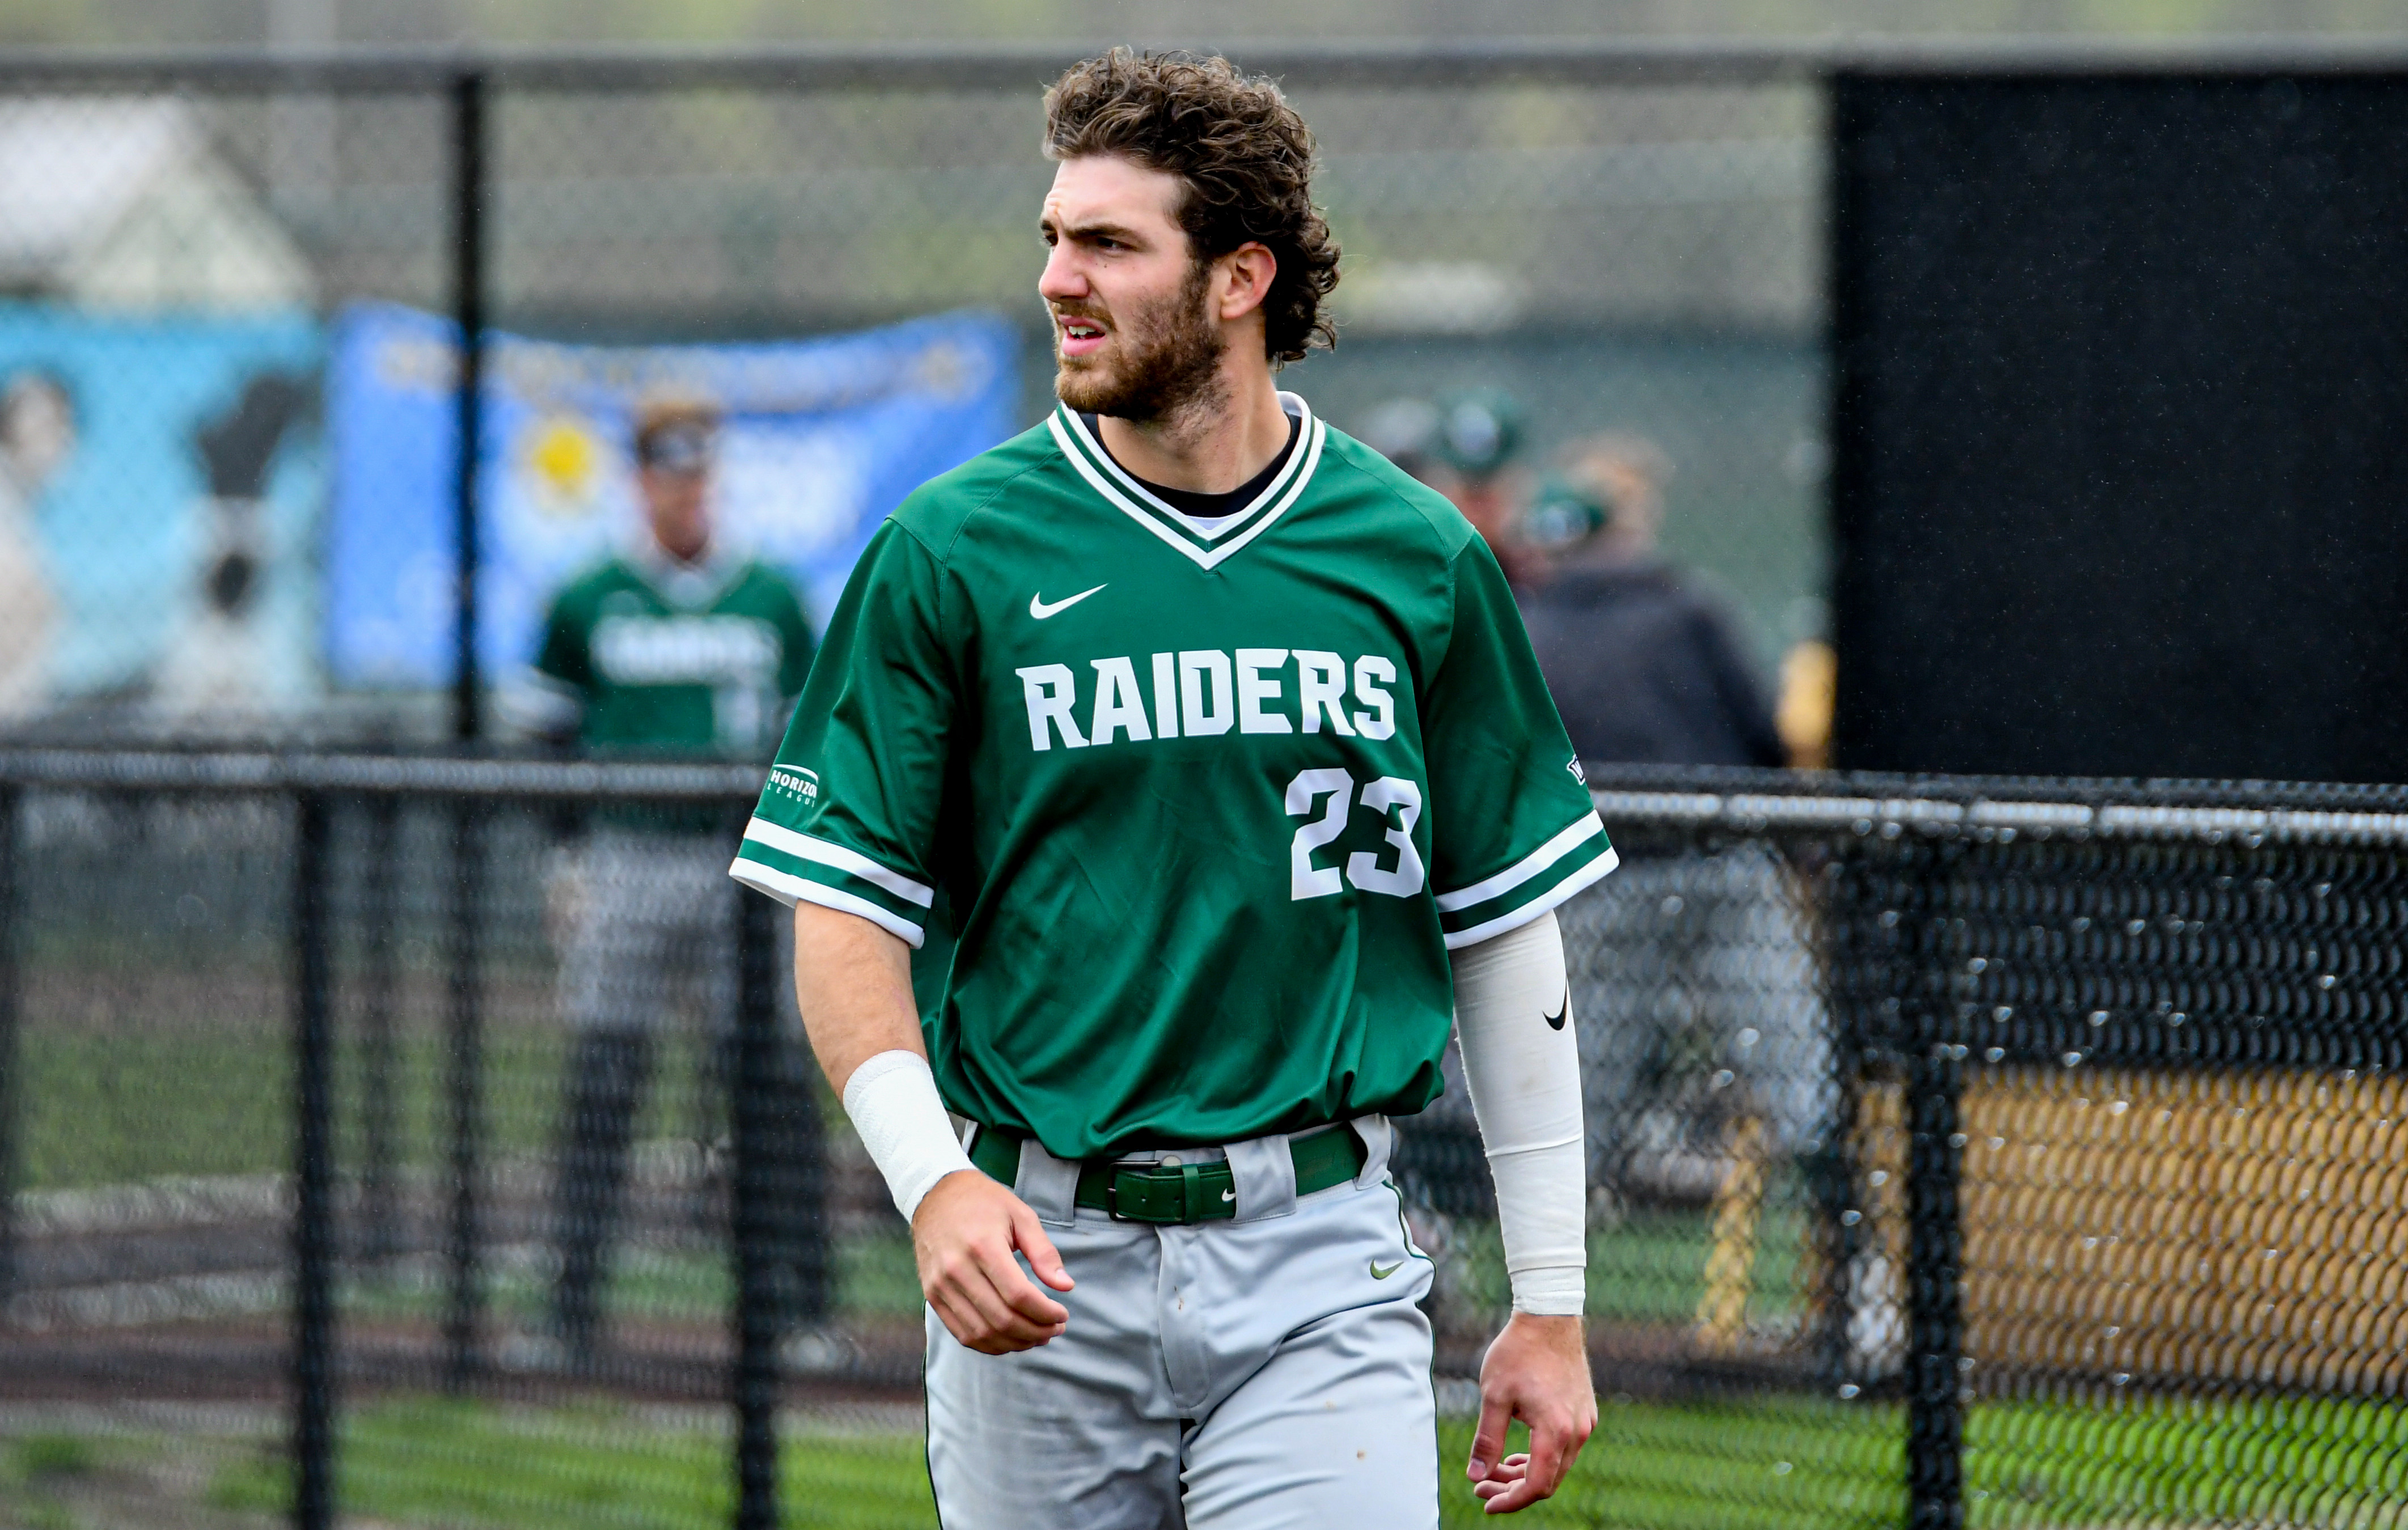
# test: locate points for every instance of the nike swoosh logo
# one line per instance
(1556, 1020)
(1379, 1274)
(1229, 1194)
(1038, 608)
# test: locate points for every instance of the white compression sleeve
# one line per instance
(892, 1101)
(1521, 1058)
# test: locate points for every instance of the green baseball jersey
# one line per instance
(643, 655)
(1201, 804)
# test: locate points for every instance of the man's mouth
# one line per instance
(1079, 336)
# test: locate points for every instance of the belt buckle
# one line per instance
(1180, 1214)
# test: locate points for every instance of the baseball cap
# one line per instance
(684, 449)
(676, 435)
(1563, 514)
(1479, 431)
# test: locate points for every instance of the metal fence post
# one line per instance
(313, 1304)
(379, 1237)
(465, 1030)
(753, 1099)
(12, 1088)
(1935, 1442)
(464, 1096)
(1851, 910)
(469, 309)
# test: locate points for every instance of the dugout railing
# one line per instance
(1988, 1152)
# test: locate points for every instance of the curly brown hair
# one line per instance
(1243, 154)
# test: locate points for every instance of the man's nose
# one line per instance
(1063, 280)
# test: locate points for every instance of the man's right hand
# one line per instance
(963, 1234)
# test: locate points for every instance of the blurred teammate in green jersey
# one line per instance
(680, 644)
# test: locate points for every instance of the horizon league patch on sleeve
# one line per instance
(1573, 765)
(795, 781)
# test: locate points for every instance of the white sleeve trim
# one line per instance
(1526, 868)
(828, 853)
(790, 890)
(1543, 904)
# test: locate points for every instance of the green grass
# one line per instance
(878, 1276)
(110, 1107)
(210, 1096)
(34, 1471)
(1649, 1268)
(875, 1277)
(1779, 1465)
(474, 1465)
(2165, 1461)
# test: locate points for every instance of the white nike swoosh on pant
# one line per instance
(1038, 608)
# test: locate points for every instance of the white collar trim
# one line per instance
(1302, 461)
(685, 585)
(1210, 528)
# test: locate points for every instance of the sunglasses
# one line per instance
(678, 451)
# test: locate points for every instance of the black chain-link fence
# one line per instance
(431, 1143)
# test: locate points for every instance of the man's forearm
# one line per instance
(853, 981)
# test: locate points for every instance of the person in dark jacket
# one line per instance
(1699, 1025)
(1645, 668)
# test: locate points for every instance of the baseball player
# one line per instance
(679, 645)
(1212, 743)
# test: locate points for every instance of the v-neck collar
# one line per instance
(685, 586)
(1205, 543)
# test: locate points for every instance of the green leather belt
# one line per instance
(1161, 1193)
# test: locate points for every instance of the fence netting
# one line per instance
(1968, 1149)
(231, 304)
(175, 260)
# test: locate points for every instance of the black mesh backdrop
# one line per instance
(2119, 360)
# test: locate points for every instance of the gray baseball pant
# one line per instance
(1271, 1372)
(652, 936)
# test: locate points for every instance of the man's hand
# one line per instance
(963, 1235)
(1536, 1371)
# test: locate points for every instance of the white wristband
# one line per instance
(892, 1101)
(1521, 1060)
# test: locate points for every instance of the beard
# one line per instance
(1169, 359)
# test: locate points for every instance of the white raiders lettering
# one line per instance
(1197, 692)
(686, 650)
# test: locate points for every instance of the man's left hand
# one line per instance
(1536, 1371)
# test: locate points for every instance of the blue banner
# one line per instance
(822, 439)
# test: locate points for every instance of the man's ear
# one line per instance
(1247, 274)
